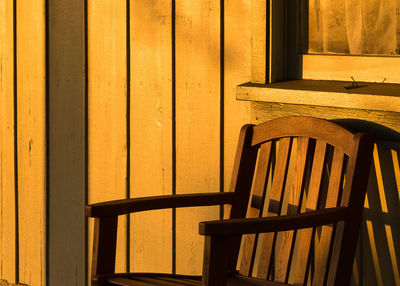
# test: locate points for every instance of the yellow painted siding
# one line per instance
(31, 140)
(197, 122)
(106, 110)
(153, 118)
(237, 71)
(151, 132)
(7, 194)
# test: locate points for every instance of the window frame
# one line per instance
(280, 44)
(281, 71)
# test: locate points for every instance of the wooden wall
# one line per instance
(112, 99)
(108, 99)
(22, 147)
(162, 117)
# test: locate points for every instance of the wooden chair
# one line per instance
(296, 201)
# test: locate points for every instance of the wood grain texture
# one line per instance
(335, 185)
(197, 121)
(277, 41)
(66, 218)
(106, 110)
(361, 68)
(306, 127)
(304, 237)
(294, 196)
(273, 223)
(259, 40)
(259, 188)
(241, 181)
(237, 69)
(141, 279)
(120, 207)
(151, 132)
(7, 185)
(389, 121)
(265, 255)
(370, 96)
(31, 141)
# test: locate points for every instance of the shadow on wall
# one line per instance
(377, 261)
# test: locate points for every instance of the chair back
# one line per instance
(294, 165)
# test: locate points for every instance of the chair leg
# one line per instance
(215, 266)
(104, 246)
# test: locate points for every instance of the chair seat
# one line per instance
(150, 279)
(146, 279)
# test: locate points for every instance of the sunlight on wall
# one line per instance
(381, 231)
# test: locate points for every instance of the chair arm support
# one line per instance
(126, 206)
(272, 224)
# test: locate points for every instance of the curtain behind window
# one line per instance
(354, 26)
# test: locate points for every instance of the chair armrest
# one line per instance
(272, 224)
(120, 207)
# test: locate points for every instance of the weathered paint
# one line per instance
(31, 140)
(198, 112)
(151, 132)
(197, 122)
(66, 217)
(237, 70)
(7, 193)
(107, 110)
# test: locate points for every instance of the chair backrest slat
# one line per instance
(293, 206)
(276, 194)
(310, 201)
(259, 187)
(303, 164)
(334, 190)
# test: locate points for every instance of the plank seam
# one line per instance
(128, 129)
(47, 140)
(222, 99)
(15, 79)
(86, 130)
(173, 61)
(268, 41)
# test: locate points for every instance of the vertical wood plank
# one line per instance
(260, 180)
(277, 55)
(310, 200)
(107, 110)
(278, 184)
(197, 121)
(296, 188)
(66, 217)
(259, 41)
(237, 70)
(151, 132)
(335, 184)
(31, 140)
(7, 186)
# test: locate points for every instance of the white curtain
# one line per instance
(354, 26)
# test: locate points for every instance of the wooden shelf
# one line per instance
(369, 96)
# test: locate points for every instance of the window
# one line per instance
(287, 53)
(353, 38)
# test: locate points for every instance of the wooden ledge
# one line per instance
(369, 96)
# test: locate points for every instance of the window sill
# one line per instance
(369, 96)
